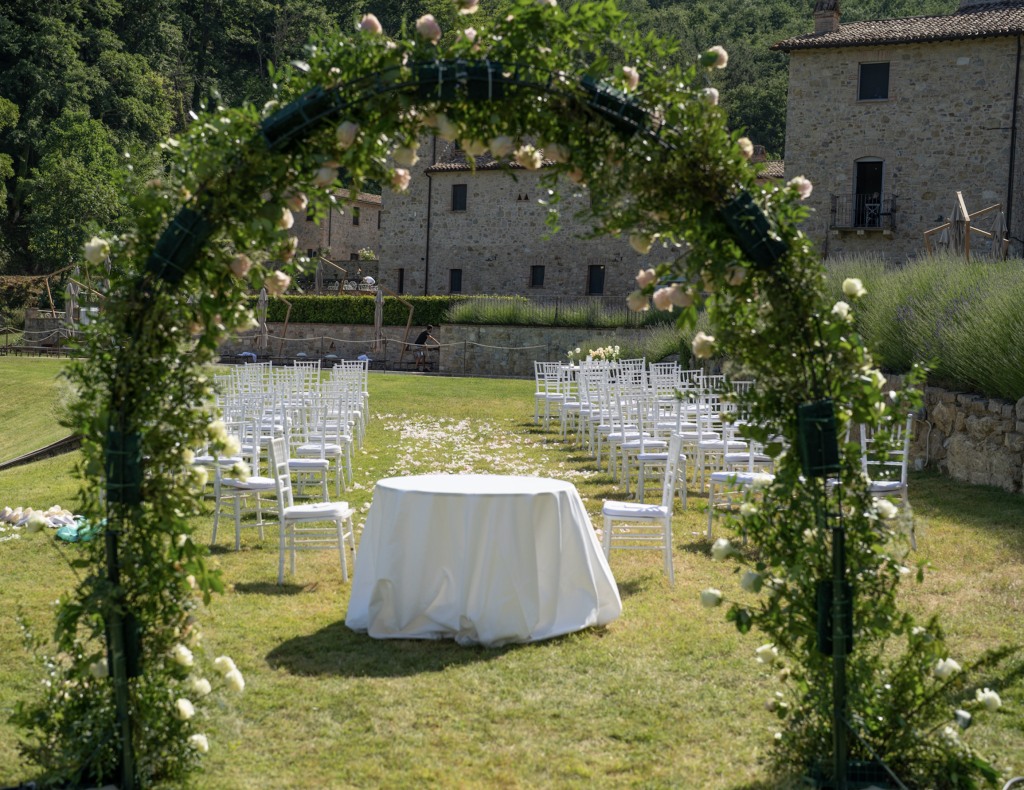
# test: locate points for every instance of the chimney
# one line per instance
(758, 155)
(826, 16)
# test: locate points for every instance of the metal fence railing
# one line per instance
(864, 211)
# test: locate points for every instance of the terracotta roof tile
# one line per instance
(447, 167)
(361, 197)
(775, 168)
(983, 20)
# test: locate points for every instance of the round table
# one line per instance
(482, 559)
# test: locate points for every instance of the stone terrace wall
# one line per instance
(469, 350)
(972, 438)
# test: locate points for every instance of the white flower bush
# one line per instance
(97, 250)
(182, 656)
(184, 709)
(946, 668)
(199, 742)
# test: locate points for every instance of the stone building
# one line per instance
(346, 229)
(889, 118)
(458, 231)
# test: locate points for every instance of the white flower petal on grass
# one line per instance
(946, 668)
(766, 654)
(989, 699)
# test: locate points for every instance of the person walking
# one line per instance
(419, 347)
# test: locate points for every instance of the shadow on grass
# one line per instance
(337, 650)
(982, 507)
(633, 587)
(269, 588)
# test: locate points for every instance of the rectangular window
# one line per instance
(310, 216)
(455, 281)
(595, 286)
(309, 254)
(401, 281)
(536, 276)
(355, 215)
(353, 256)
(874, 82)
(378, 220)
(459, 197)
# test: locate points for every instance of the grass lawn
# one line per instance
(669, 695)
(28, 387)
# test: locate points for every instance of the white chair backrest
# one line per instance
(671, 472)
(279, 471)
(894, 459)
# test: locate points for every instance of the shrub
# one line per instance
(521, 311)
(965, 320)
(357, 310)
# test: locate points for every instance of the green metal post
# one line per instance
(119, 671)
(839, 651)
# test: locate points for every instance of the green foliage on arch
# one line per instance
(652, 148)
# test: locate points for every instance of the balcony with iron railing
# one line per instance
(863, 212)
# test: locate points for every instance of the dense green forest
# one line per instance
(89, 87)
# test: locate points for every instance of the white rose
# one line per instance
(989, 699)
(853, 287)
(751, 582)
(642, 243)
(712, 95)
(235, 681)
(761, 481)
(645, 277)
(199, 743)
(950, 736)
(180, 541)
(406, 156)
(710, 598)
(841, 310)
(181, 655)
(427, 27)
(36, 523)
(190, 580)
(201, 686)
(184, 710)
(276, 284)
(200, 476)
(748, 509)
(195, 636)
(475, 147)
(287, 219)
(97, 250)
(370, 24)
(679, 296)
(467, 6)
(100, 670)
(632, 77)
(346, 134)
(529, 157)
(638, 302)
(662, 299)
(702, 345)
(802, 185)
(325, 176)
(766, 654)
(577, 351)
(945, 668)
(240, 471)
(885, 509)
(746, 147)
(400, 180)
(721, 549)
(715, 58)
(501, 146)
(232, 446)
(223, 664)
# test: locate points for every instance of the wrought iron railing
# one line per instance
(864, 211)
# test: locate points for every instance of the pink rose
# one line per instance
(325, 176)
(529, 157)
(400, 180)
(646, 277)
(662, 299)
(679, 297)
(296, 201)
(370, 24)
(277, 283)
(346, 134)
(712, 95)
(802, 185)
(638, 302)
(467, 7)
(240, 265)
(632, 77)
(427, 27)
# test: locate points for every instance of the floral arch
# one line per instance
(650, 144)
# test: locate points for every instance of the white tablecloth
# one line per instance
(483, 559)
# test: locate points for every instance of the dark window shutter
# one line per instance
(874, 81)
(459, 197)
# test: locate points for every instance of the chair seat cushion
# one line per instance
(308, 464)
(618, 436)
(209, 460)
(328, 511)
(648, 457)
(250, 484)
(314, 449)
(742, 458)
(719, 444)
(654, 444)
(632, 510)
(885, 486)
(740, 478)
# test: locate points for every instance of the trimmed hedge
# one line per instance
(357, 310)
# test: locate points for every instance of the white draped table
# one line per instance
(483, 559)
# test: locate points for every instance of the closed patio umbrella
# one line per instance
(958, 231)
(262, 335)
(319, 277)
(72, 301)
(378, 322)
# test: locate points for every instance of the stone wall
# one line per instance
(498, 238)
(975, 439)
(337, 232)
(945, 127)
(466, 350)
